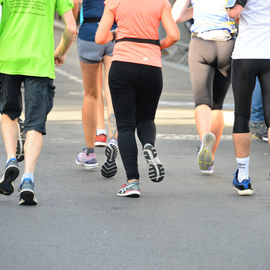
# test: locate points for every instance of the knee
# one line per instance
(241, 122)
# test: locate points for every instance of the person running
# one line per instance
(92, 57)
(27, 57)
(251, 59)
(135, 79)
(210, 48)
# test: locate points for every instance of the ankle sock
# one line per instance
(28, 175)
(89, 151)
(243, 168)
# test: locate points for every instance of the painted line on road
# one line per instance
(68, 75)
(164, 136)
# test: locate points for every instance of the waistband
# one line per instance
(195, 34)
(91, 20)
(140, 40)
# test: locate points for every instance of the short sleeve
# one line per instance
(112, 4)
(62, 6)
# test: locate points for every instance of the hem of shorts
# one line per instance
(43, 132)
(26, 73)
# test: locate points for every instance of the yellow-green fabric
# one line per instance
(26, 36)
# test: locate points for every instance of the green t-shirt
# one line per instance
(26, 36)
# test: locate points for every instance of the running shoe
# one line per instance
(88, 161)
(205, 153)
(265, 135)
(27, 195)
(8, 177)
(244, 187)
(109, 167)
(101, 140)
(20, 141)
(156, 170)
(130, 190)
(209, 170)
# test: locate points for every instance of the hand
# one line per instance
(58, 59)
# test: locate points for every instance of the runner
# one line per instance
(26, 55)
(92, 58)
(210, 48)
(251, 59)
(135, 79)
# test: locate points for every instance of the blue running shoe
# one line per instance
(8, 177)
(243, 188)
(27, 195)
(130, 190)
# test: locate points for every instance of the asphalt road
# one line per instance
(188, 221)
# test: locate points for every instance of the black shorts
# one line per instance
(38, 97)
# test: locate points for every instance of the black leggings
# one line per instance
(210, 66)
(135, 91)
(244, 73)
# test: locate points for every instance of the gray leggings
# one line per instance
(210, 71)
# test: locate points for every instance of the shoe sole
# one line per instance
(27, 197)
(109, 167)
(243, 192)
(130, 194)
(207, 172)
(156, 171)
(7, 180)
(86, 166)
(205, 155)
(100, 144)
(20, 145)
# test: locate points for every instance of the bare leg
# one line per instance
(90, 75)
(10, 134)
(100, 104)
(32, 149)
(217, 126)
(107, 60)
(241, 142)
(209, 121)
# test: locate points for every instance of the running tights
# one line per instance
(135, 91)
(244, 73)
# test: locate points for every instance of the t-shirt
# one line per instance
(91, 9)
(26, 36)
(211, 15)
(137, 19)
(253, 41)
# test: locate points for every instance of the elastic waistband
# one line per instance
(195, 34)
(91, 20)
(140, 40)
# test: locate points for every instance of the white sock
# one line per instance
(101, 131)
(243, 168)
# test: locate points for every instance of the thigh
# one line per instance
(148, 88)
(223, 72)
(39, 95)
(123, 93)
(201, 65)
(10, 95)
(264, 78)
(243, 83)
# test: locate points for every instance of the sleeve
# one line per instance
(112, 4)
(62, 6)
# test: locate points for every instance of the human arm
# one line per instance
(104, 33)
(181, 12)
(76, 8)
(67, 38)
(235, 12)
(170, 26)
